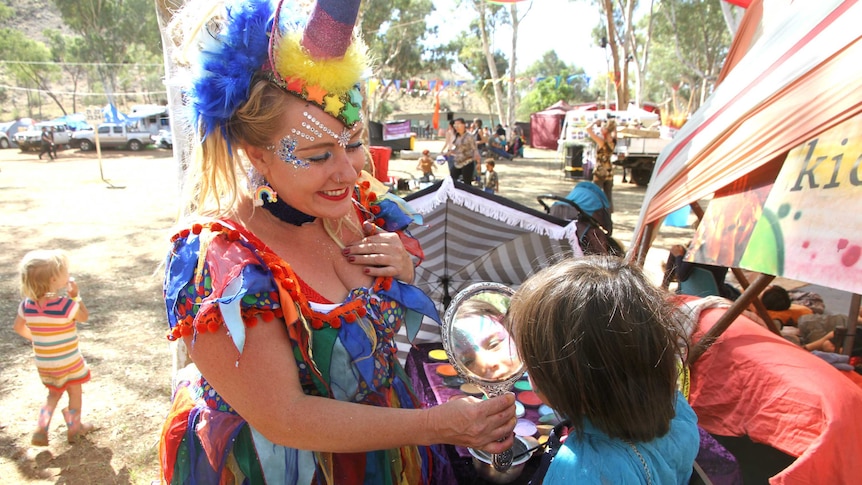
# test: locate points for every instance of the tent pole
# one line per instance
(698, 211)
(852, 318)
(758, 303)
(644, 243)
(729, 316)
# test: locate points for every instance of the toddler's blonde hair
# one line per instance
(37, 268)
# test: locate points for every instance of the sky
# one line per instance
(564, 26)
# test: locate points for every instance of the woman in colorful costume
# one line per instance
(288, 293)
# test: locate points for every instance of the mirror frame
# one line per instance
(491, 388)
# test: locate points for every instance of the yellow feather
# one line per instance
(337, 76)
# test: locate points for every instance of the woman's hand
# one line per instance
(382, 253)
(470, 422)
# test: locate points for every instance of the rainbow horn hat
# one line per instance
(320, 61)
(323, 64)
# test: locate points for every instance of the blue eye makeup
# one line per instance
(285, 151)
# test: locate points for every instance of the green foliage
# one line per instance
(689, 45)
(108, 29)
(28, 63)
(544, 94)
(563, 83)
(549, 65)
(6, 12)
(394, 31)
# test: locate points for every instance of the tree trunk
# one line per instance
(732, 20)
(510, 114)
(613, 41)
(489, 56)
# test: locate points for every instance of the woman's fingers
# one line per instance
(485, 425)
(382, 253)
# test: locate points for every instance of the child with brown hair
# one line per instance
(490, 178)
(49, 321)
(426, 165)
(603, 346)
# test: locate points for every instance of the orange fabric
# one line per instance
(744, 37)
(791, 315)
(751, 382)
(172, 432)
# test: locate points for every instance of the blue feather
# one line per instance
(227, 62)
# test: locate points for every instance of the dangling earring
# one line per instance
(263, 193)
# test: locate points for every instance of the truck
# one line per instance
(32, 139)
(637, 148)
(112, 135)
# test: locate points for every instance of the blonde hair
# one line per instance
(38, 268)
(218, 169)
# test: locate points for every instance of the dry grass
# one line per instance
(116, 238)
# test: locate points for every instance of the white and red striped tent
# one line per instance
(794, 71)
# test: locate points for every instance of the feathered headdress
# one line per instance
(320, 61)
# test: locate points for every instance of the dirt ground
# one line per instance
(115, 221)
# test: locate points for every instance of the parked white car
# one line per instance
(164, 139)
(32, 139)
(112, 135)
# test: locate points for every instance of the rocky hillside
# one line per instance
(32, 17)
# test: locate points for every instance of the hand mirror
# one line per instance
(478, 344)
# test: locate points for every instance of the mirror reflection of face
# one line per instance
(484, 347)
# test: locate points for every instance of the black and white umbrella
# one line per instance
(470, 236)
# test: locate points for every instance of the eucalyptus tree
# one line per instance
(66, 52)
(468, 49)
(489, 17)
(691, 42)
(551, 80)
(29, 63)
(395, 31)
(108, 29)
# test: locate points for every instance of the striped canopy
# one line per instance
(469, 236)
(793, 73)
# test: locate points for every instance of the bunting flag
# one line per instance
(432, 86)
(435, 119)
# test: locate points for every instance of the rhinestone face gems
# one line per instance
(285, 152)
(342, 138)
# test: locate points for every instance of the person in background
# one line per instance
(46, 144)
(426, 165)
(491, 179)
(683, 270)
(53, 145)
(778, 304)
(290, 275)
(481, 135)
(516, 143)
(606, 141)
(447, 146)
(49, 320)
(603, 347)
(497, 145)
(464, 153)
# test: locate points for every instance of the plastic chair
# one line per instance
(699, 283)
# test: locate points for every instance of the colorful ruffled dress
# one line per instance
(55, 341)
(220, 274)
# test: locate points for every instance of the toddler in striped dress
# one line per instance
(49, 320)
